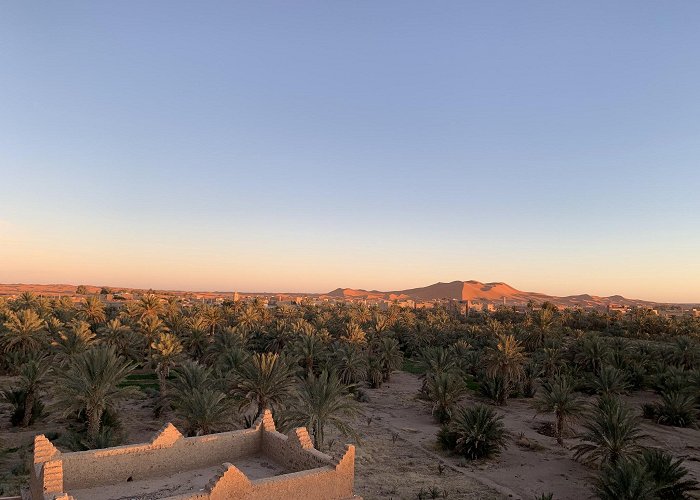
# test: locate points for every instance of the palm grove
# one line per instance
(217, 367)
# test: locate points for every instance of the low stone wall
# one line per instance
(86, 469)
(314, 475)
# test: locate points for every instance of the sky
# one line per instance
(304, 146)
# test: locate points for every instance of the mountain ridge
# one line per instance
(491, 292)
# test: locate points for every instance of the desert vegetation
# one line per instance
(71, 367)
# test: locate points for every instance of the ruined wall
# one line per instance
(314, 475)
(334, 481)
(169, 452)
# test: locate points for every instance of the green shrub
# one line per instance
(495, 389)
(17, 398)
(474, 432)
(677, 409)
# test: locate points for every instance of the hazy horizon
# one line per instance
(304, 147)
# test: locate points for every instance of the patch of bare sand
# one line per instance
(532, 463)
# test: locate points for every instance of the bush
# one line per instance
(17, 398)
(653, 475)
(495, 389)
(447, 438)
(676, 409)
(668, 475)
(474, 432)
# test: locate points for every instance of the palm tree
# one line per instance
(125, 341)
(610, 381)
(668, 474)
(353, 333)
(677, 408)
(310, 350)
(188, 377)
(322, 401)
(198, 401)
(91, 383)
(610, 432)
(655, 475)
(541, 324)
(506, 360)
(26, 300)
(212, 317)
(558, 397)
(351, 364)
(625, 480)
(26, 332)
(151, 327)
(76, 339)
(166, 351)
(92, 310)
(445, 390)
(148, 305)
(196, 338)
(550, 361)
(375, 373)
(436, 360)
(593, 354)
(388, 352)
(264, 381)
(31, 375)
(475, 432)
(249, 318)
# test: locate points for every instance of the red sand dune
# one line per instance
(475, 290)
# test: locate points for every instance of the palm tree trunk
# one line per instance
(318, 435)
(28, 408)
(560, 430)
(162, 379)
(94, 421)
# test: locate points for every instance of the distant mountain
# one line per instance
(491, 292)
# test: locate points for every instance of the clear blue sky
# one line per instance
(377, 144)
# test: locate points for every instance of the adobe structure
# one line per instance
(256, 463)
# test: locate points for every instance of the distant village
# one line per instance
(116, 297)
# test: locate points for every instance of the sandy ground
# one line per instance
(532, 463)
(397, 455)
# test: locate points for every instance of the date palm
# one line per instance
(445, 390)
(541, 322)
(611, 431)
(151, 327)
(265, 381)
(593, 354)
(125, 341)
(475, 431)
(558, 397)
(388, 352)
(351, 363)
(610, 380)
(26, 300)
(75, 339)
(309, 350)
(25, 333)
(91, 382)
(322, 401)
(506, 360)
(204, 411)
(354, 334)
(32, 375)
(92, 310)
(148, 305)
(212, 317)
(167, 350)
(195, 337)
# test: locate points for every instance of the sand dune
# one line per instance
(492, 292)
